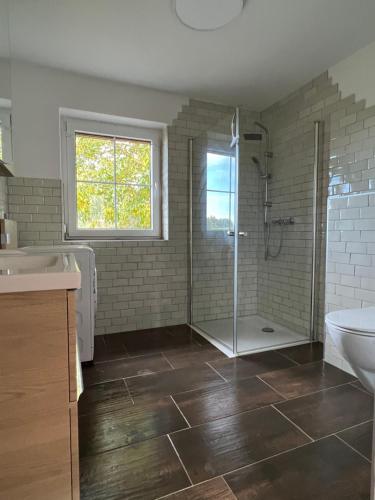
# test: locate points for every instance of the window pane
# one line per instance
(94, 158)
(218, 172)
(219, 211)
(133, 207)
(133, 161)
(95, 206)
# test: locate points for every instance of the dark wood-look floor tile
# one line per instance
(305, 353)
(223, 445)
(103, 398)
(329, 411)
(193, 355)
(122, 368)
(159, 339)
(186, 330)
(304, 379)
(253, 364)
(173, 382)
(360, 438)
(122, 427)
(109, 347)
(204, 405)
(215, 489)
(143, 471)
(324, 470)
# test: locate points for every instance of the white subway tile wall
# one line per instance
(3, 196)
(348, 177)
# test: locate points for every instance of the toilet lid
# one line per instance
(354, 320)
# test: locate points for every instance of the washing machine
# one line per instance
(86, 296)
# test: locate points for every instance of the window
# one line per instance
(112, 180)
(5, 135)
(221, 171)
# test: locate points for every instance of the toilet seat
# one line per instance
(353, 321)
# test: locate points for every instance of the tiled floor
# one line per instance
(166, 415)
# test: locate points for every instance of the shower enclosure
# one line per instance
(253, 195)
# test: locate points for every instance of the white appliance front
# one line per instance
(86, 296)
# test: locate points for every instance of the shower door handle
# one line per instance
(243, 234)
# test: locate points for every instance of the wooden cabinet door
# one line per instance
(34, 397)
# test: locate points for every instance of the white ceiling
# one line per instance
(270, 50)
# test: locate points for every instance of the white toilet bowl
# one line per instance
(353, 333)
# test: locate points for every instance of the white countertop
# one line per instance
(20, 272)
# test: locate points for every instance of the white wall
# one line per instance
(356, 74)
(5, 92)
(39, 92)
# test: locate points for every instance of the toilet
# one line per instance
(353, 333)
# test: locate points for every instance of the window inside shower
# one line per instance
(220, 191)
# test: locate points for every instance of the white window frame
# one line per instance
(71, 126)
(6, 134)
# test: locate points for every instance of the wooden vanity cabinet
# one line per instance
(38, 396)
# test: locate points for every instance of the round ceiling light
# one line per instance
(208, 14)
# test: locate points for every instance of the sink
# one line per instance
(24, 273)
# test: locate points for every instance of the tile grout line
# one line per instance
(357, 425)
(129, 357)
(288, 358)
(293, 423)
(179, 409)
(167, 360)
(127, 388)
(212, 368)
(308, 393)
(265, 459)
(362, 389)
(187, 488)
(122, 358)
(229, 488)
(178, 456)
(351, 447)
(270, 386)
(343, 430)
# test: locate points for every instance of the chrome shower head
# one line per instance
(252, 137)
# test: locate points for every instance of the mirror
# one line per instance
(6, 156)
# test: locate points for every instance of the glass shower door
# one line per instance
(213, 181)
(275, 219)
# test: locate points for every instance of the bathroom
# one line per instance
(187, 252)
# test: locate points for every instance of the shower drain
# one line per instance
(267, 329)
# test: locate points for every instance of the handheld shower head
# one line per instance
(256, 162)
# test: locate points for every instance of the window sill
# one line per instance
(107, 240)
